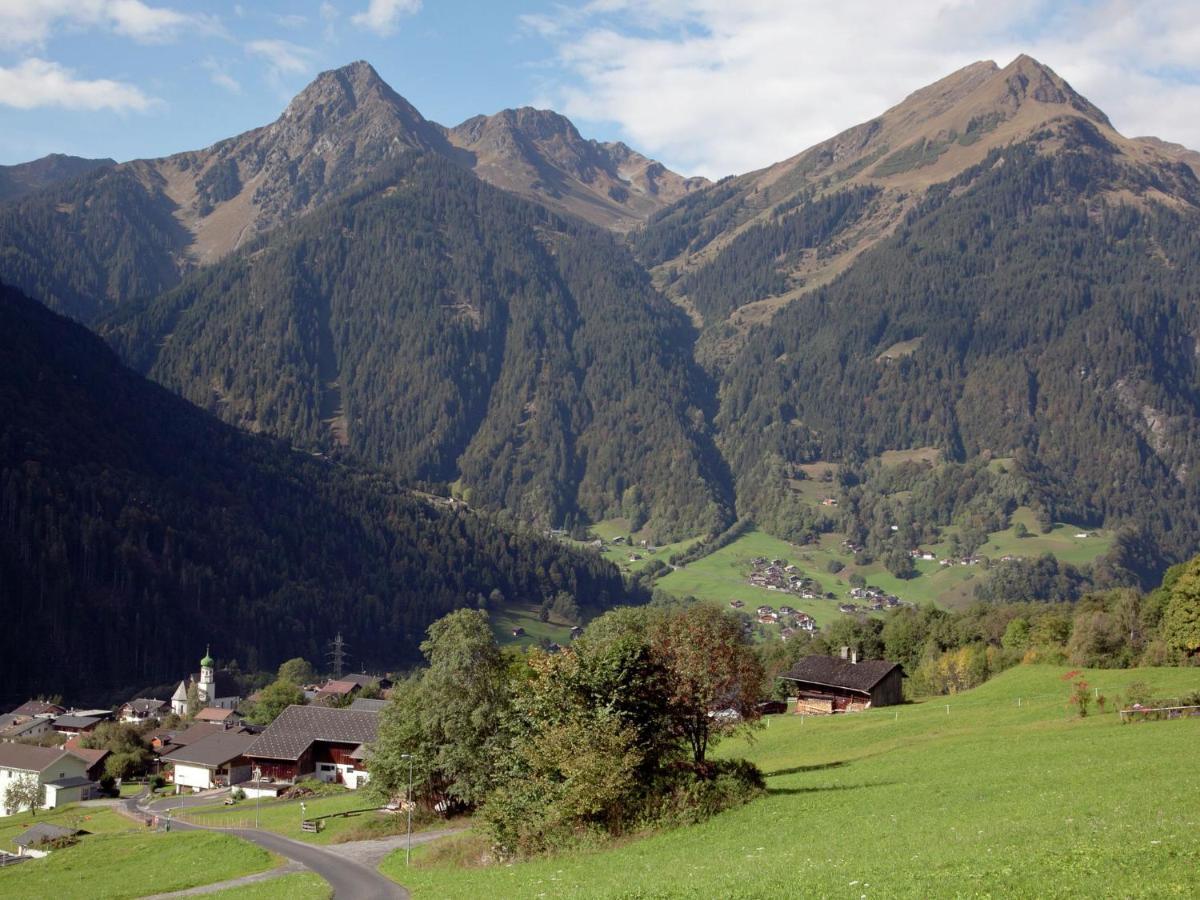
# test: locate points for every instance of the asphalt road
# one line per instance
(350, 880)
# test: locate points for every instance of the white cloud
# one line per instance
(38, 82)
(32, 22)
(283, 57)
(218, 74)
(716, 87)
(383, 16)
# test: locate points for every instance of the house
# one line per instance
(93, 759)
(218, 716)
(835, 684)
(363, 680)
(213, 688)
(76, 724)
(23, 728)
(165, 742)
(315, 741)
(32, 842)
(62, 774)
(144, 708)
(336, 691)
(38, 708)
(218, 760)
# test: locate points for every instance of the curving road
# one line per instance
(350, 880)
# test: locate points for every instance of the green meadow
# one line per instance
(284, 816)
(1000, 791)
(134, 864)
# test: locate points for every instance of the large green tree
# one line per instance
(1181, 618)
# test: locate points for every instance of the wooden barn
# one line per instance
(834, 684)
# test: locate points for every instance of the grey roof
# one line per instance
(298, 726)
(76, 721)
(73, 781)
(146, 705)
(28, 757)
(368, 704)
(214, 750)
(835, 672)
(19, 727)
(199, 731)
(43, 831)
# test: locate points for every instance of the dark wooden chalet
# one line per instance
(835, 684)
(315, 741)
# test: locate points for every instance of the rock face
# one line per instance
(541, 155)
(341, 128)
(25, 178)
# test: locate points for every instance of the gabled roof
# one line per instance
(214, 714)
(298, 726)
(38, 708)
(71, 782)
(194, 733)
(835, 672)
(43, 831)
(147, 705)
(77, 721)
(368, 704)
(338, 688)
(28, 757)
(214, 750)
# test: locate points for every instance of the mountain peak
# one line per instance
(1027, 79)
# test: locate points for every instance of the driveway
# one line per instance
(350, 879)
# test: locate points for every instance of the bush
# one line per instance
(238, 794)
(157, 783)
(698, 794)
(834, 566)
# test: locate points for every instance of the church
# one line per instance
(213, 688)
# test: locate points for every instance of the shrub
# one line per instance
(238, 794)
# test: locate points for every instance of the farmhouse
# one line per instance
(62, 774)
(316, 741)
(144, 708)
(218, 760)
(834, 684)
(24, 728)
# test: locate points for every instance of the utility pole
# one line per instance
(337, 655)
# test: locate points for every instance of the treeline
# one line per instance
(134, 529)
(1044, 320)
(446, 331)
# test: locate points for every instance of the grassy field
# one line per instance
(505, 620)
(134, 865)
(721, 576)
(620, 554)
(991, 799)
(92, 819)
(301, 886)
(283, 816)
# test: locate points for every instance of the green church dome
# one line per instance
(207, 662)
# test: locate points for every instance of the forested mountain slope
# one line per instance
(735, 253)
(25, 178)
(445, 330)
(135, 528)
(1044, 302)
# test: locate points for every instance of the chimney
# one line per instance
(845, 653)
(854, 657)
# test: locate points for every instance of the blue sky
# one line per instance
(708, 86)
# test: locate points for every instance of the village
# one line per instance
(199, 739)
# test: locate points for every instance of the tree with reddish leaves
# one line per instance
(714, 678)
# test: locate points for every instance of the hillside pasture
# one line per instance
(1007, 794)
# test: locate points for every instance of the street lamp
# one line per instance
(408, 843)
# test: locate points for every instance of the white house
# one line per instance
(62, 774)
(218, 760)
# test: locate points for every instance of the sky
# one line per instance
(710, 87)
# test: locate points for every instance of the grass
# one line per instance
(510, 617)
(993, 799)
(619, 554)
(283, 816)
(301, 886)
(92, 819)
(134, 865)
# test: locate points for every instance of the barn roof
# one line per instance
(835, 672)
(43, 831)
(214, 750)
(298, 726)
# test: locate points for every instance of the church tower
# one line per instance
(207, 687)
